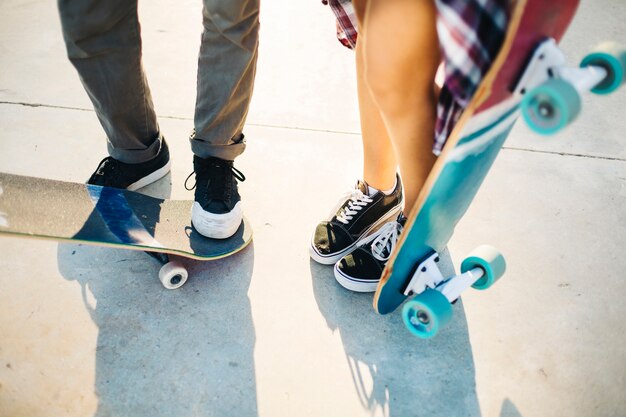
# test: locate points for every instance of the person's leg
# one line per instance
(401, 52)
(363, 210)
(379, 159)
(226, 70)
(103, 43)
(401, 55)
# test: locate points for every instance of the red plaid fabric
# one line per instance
(346, 21)
(470, 32)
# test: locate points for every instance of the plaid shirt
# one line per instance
(470, 35)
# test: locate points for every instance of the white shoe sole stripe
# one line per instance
(352, 285)
(149, 179)
(335, 257)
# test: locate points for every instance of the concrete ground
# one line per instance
(90, 331)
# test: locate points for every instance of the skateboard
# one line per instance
(69, 212)
(528, 77)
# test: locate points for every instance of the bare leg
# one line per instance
(379, 160)
(401, 55)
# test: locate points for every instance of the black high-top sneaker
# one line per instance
(217, 211)
(358, 215)
(361, 270)
(116, 174)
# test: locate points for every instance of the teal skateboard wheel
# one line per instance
(612, 57)
(551, 106)
(426, 313)
(490, 260)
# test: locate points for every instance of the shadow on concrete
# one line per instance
(509, 409)
(394, 373)
(168, 353)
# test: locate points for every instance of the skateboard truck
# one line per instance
(431, 307)
(550, 91)
(548, 62)
(428, 275)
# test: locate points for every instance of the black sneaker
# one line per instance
(217, 211)
(358, 216)
(116, 174)
(361, 270)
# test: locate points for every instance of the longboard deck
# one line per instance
(64, 211)
(471, 148)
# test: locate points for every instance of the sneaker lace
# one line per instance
(385, 242)
(220, 171)
(358, 200)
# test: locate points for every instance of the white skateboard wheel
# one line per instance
(173, 275)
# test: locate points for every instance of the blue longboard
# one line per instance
(524, 78)
(63, 211)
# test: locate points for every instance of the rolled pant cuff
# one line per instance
(136, 156)
(228, 152)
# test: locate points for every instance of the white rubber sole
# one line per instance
(216, 226)
(353, 284)
(330, 259)
(335, 257)
(155, 176)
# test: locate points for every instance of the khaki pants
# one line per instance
(104, 44)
